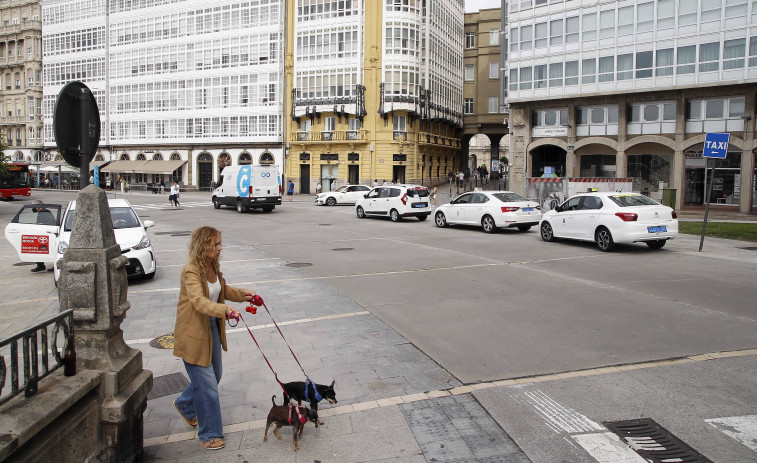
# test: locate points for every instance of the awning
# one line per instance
(97, 163)
(125, 166)
(63, 168)
(161, 167)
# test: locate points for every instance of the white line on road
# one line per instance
(741, 428)
(565, 418)
(607, 447)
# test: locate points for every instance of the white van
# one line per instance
(249, 186)
(396, 202)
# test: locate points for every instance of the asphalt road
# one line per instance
(507, 305)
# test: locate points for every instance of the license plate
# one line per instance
(528, 209)
(657, 229)
(419, 205)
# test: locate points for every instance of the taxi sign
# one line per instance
(716, 145)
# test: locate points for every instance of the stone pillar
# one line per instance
(93, 283)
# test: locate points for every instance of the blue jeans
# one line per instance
(200, 398)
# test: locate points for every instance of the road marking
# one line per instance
(607, 447)
(741, 428)
(226, 261)
(162, 206)
(560, 417)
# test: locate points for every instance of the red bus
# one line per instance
(16, 181)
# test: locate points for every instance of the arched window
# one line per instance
(18, 156)
(157, 157)
(266, 158)
(124, 157)
(99, 157)
(58, 157)
(205, 157)
(141, 157)
(223, 160)
(39, 156)
(175, 157)
(245, 159)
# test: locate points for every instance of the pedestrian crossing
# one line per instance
(165, 205)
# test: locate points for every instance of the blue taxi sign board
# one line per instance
(716, 145)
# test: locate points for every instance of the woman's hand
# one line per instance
(248, 295)
(231, 312)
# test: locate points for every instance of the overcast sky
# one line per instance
(475, 5)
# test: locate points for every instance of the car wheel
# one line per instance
(331, 201)
(487, 223)
(524, 228)
(360, 212)
(394, 215)
(423, 217)
(604, 240)
(268, 208)
(656, 244)
(150, 276)
(241, 207)
(547, 234)
(441, 220)
(216, 204)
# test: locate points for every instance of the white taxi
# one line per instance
(348, 194)
(490, 210)
(395, 202)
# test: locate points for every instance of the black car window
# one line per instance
(38, 215)
(572, 204)
(395, 192)
(418, 192)
(122, 217)
(591, 202)
(362, 188)
(464, 199)
(478, 198)
(509, 197)
(375, 193)
(385, 193)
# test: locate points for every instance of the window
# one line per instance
(687, 12)
(686, 58)
(513, 39)
(711, 10)
(607, 24)
(494, 70)
(468, 106)
(753, 52)
(709, 56)
(735, 8)
(666, 11)
(540, 35)
(400, 125)
(470, 40)
(571, 73)
(645, 17)
(493, 104)
(606, 69)
(733, 53)
(555, 75)
(513, 79)
(735, 107)
(625, 20)
(589, 71)
(643, 64)
(550, 117)
(526, 77)
(540, 76)
(719, 108)
(590, 26)
(494, 37)
(469, 73)
(625, 67)
(571, 30)
(665, 62)
(525, 38)
(555, 32)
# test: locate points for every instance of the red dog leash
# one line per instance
(258, 301)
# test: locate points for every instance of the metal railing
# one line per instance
(34, 344)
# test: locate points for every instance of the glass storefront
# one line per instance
(726, 185)
(650, 173)
(597, 165)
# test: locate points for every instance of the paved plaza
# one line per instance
(445, 344)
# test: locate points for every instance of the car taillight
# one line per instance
(250, 193)
(404, 199)
(627, 216)
(673, 213)
(279, 190)
(510, 209)
(538, 208)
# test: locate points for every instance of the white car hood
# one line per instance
(125, 237)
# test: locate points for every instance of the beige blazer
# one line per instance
(193, 340)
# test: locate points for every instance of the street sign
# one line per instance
(76, 126)
(716, 145)
(97, 176)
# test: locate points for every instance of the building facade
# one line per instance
(184, 87)
(21, 73)
(484, 106)
(629, 90)
(374, 91)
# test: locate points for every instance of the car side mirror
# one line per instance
(558, 209)
(365, 195)
(149, 223)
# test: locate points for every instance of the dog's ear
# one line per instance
(332, 384)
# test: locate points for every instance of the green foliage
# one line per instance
(728, 230)
(3, 158)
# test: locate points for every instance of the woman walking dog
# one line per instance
(200, 334)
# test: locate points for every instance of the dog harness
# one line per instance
(302, 419)
(309, 383)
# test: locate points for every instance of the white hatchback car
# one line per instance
(490, 210)
(396, 202)
(608, 218)
(348, 194)
(131, 236)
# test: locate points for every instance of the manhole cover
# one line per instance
(343, 249)
(167, 385)
(653, 442)
(21, 264)
(173, 232)
(163, 342)
(750, 248)
(299, 264)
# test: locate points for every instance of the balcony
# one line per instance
(334, 136)
(426, 138)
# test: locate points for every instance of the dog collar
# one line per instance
(317, 396)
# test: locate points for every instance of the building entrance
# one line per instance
(304, 179)
(548, 161)
(398, 174)
(329, 173)
(204, 171)
(726, 178)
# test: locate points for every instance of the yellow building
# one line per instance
(374, 91)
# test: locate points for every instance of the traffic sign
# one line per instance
(716, 145)
(76, 124)
(97, 175)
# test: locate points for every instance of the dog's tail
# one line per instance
(276, 375)
(273, 399)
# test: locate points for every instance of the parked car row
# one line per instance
(606, 218)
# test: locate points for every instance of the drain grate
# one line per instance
(299, 264)
(750, 248)
(167, 385)
(343, 249)
(178, 232)
(653, 442)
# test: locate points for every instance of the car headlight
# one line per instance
(62, 246)
(145, 243)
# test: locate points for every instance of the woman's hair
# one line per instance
(199, 244)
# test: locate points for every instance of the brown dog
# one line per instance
(287, 415)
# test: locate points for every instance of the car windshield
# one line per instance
(509, 197)
(343, 189)
(417, 192)
(633, 200)
(122, 217)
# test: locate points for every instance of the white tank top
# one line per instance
(214, 290)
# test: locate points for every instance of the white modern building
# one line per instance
(184, 87)
(619, 89)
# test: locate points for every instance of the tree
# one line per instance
(3, 158)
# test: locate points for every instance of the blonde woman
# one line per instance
(200, 334)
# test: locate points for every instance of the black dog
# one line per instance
(309, 392)
(284, 415)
